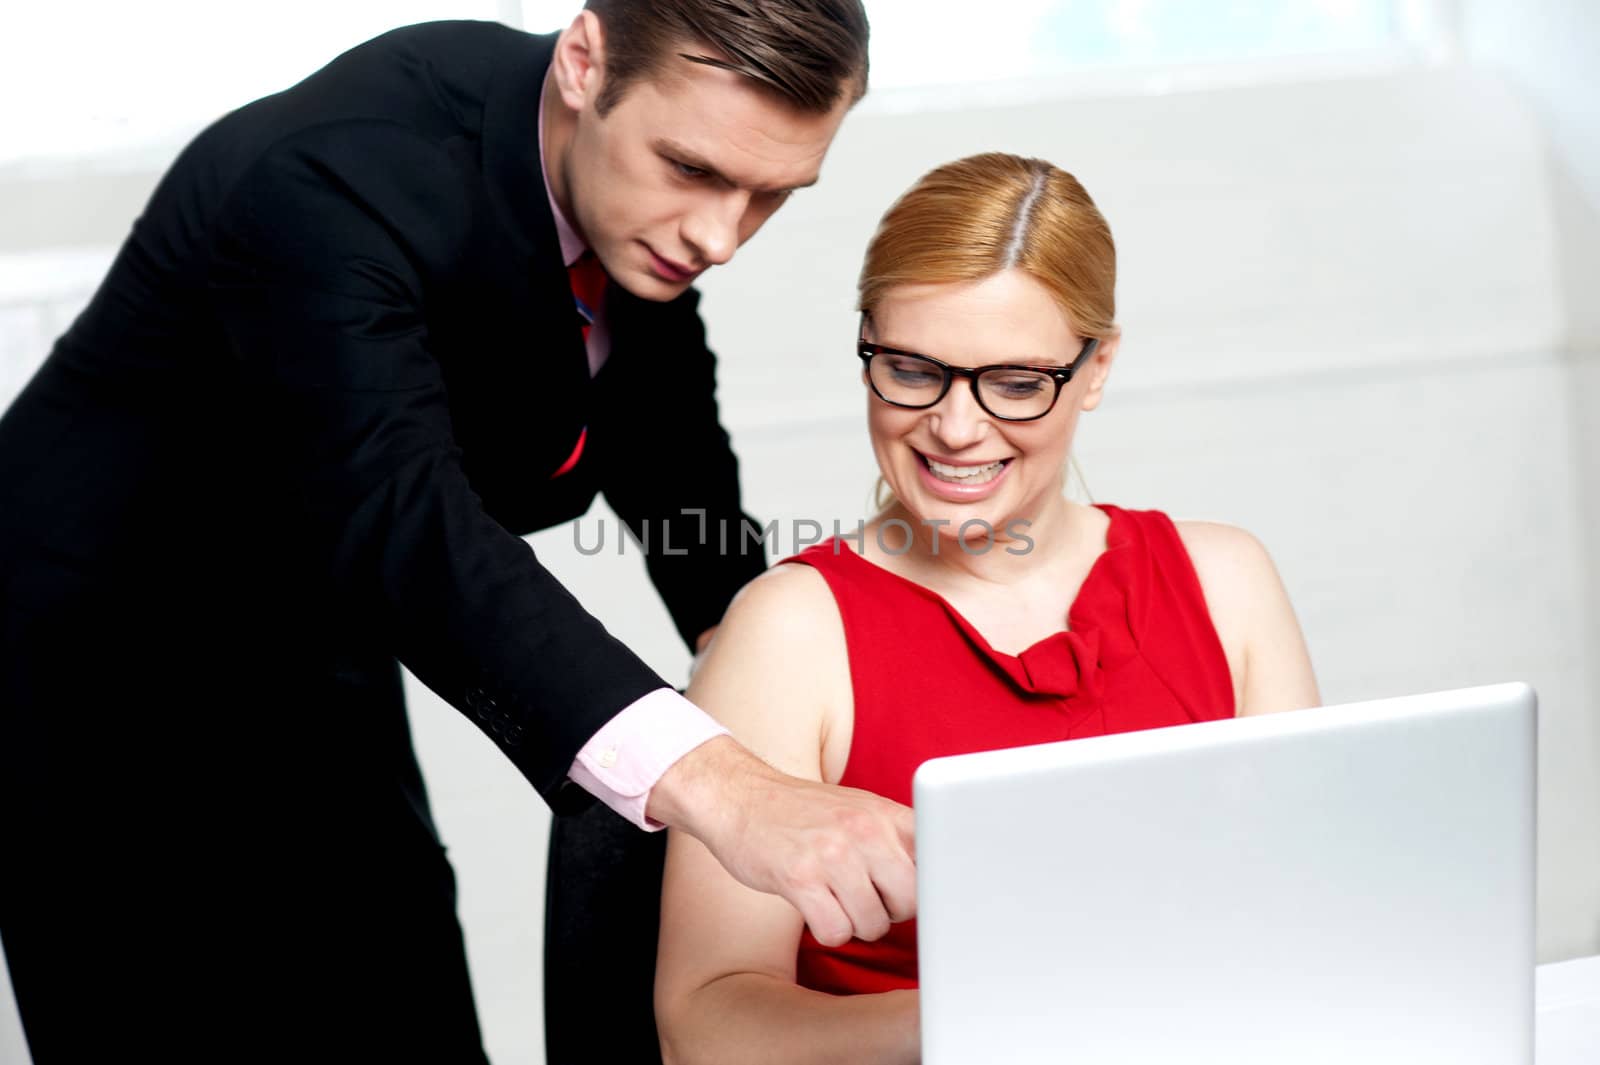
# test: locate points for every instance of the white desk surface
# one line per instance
(1567, 1021)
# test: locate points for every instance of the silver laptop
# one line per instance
(1352, 884)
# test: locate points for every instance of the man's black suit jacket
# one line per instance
(299, 429)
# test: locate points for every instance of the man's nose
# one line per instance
(712, 229)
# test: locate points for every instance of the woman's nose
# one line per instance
(957, 420)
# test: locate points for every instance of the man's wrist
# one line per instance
(623, 762)
(695, 784)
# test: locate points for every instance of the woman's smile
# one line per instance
(961, 482)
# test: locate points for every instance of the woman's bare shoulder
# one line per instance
(1253, 617)
(1236, 575)
(777, 670)
(788, 601)
(1226, 553)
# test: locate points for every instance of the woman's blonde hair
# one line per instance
(973, 218)
(977, 216)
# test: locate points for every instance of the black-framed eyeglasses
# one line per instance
(1013, 392)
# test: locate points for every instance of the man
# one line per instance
(359, 342)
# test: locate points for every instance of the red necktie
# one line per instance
(588, 280)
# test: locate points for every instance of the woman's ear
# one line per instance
(1099, 369)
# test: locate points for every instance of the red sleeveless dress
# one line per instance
(1139, 652)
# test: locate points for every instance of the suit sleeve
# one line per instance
(320, 273)
(669, 471)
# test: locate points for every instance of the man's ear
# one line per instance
(1099, 369)
(579, 61)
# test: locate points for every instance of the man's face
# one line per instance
(684, 169)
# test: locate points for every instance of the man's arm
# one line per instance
(318, 279)
(322, 262)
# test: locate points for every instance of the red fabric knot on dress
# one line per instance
(1065, 664)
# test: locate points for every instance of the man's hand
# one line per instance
(844, 858)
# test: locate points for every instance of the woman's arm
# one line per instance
(1250, 609)
(777, 675)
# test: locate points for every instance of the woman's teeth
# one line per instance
(965, 474)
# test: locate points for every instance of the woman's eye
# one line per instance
(1018, 387)
(914, 375)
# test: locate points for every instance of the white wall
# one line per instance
(1346, 330)
(1546, 51)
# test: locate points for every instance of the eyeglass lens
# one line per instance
(1004, 392)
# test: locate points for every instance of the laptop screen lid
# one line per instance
(1345, 884)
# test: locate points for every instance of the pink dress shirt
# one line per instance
(633, 750)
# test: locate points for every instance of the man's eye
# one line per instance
(685, 170)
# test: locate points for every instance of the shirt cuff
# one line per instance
(633, 750)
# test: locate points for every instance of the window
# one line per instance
(99, 78)
(973, 51)
(934, 41)
(95, 77)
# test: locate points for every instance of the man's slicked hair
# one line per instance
(808, 52)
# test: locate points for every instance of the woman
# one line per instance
(979, 609)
